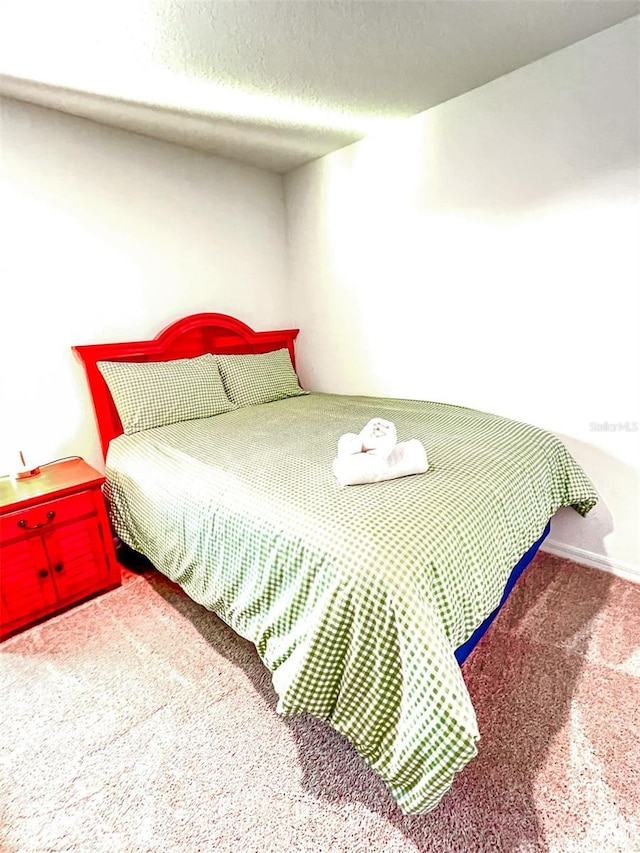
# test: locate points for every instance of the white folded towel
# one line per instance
(349, 443)
(406, 458)
(379, 437)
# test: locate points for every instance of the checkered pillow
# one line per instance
(156, 393)
(259, 378)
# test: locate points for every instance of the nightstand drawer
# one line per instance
(39, 518)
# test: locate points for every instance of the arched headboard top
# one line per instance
(189, 337)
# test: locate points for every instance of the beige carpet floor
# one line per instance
(138, 722)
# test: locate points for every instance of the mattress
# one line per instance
(355, 597)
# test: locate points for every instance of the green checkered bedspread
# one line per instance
(355, 597)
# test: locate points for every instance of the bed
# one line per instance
(362, 601)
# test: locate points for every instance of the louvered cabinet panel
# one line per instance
(77, 559)
(27, 586)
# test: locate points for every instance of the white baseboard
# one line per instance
(628, 571)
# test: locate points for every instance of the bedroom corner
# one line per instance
(233, 234)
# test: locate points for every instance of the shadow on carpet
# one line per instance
(140, 722)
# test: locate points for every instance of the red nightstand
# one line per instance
(56, 547)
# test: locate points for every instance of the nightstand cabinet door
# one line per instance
(76, 555)
(27, 586)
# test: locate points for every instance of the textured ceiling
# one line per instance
(275, 84)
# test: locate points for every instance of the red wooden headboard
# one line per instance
(186, 338)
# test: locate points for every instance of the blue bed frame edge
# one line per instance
(463, 651)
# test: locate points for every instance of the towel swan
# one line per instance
(373, 455)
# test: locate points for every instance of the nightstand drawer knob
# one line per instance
(43, 573)
(26, 526)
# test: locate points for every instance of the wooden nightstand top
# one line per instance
(54, 480)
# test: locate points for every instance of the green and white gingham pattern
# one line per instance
(252, 379)
(156, 393)
(354, 597)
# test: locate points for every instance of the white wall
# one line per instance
(111, 236)
(486, 253)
